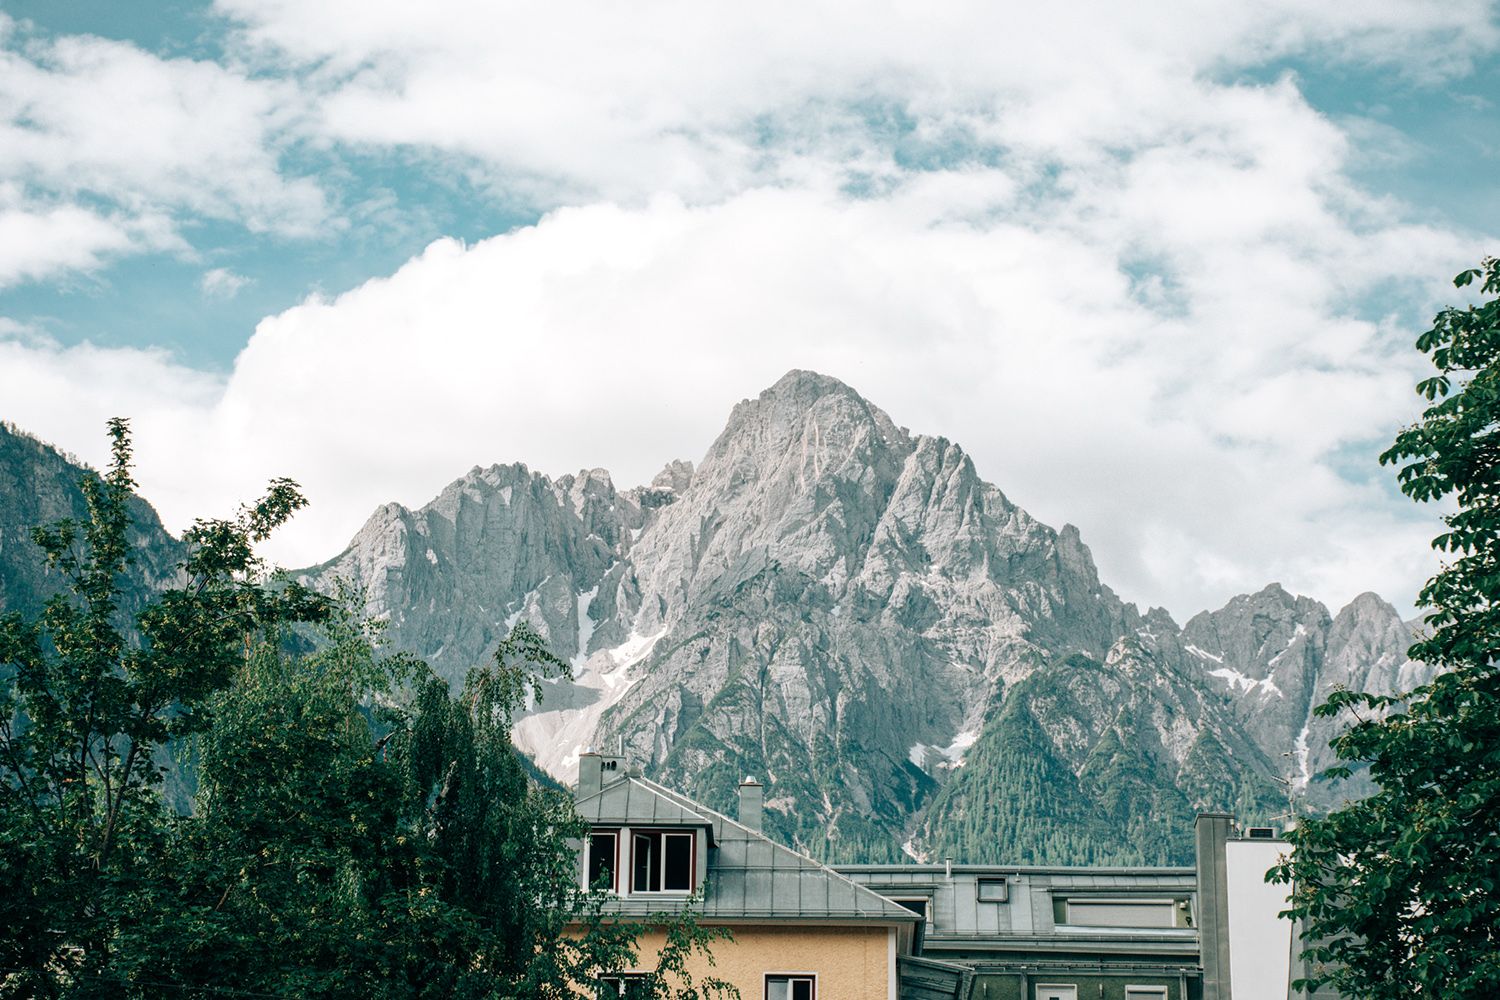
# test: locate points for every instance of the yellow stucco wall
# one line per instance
(851, 963)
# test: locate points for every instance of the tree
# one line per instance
(1399, 893)
(364, 832)
(89, 701)
(359, 830)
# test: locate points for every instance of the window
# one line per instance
(1056, 991)
(993, 890)
(916, 904)
(604, 853)
(1121, 912)
(792, 987)
(661, 862)
(1145, 993)
(624, 986)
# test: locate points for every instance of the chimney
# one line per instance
(590, 775)
(752, 798)
(1211, 831)
(595, 770)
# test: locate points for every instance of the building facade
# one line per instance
(801, 931)
(807, 931)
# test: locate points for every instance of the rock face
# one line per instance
(39, 485)
(905, 657)
(845, 610)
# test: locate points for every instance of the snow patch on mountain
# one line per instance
(1205, 654)
(1243, 682)
(1304, 768)
(555, 739)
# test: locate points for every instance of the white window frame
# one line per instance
(659, 863)
(619, 977)
(789, 977)
(588, 854)
(1056, 986)
(1169, 904)
(926, 909)
(1143, 992)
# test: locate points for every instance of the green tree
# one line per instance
(364, 832)
(89, 701)
(359, 830)
(1400, 892)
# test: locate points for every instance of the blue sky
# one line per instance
(371, 247)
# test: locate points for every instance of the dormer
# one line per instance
(641, 842)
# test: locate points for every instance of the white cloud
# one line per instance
(625, 100)
(38, 242)
(614, 337)
(107, 150)
(86, 115)
(222, 283)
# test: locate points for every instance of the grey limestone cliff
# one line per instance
(848, 611)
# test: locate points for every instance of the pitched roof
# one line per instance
(750, 877)
(633, 801)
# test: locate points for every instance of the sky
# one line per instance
(1158, 267)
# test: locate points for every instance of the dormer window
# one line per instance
(662, 861)
(604, 858)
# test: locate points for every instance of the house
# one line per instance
(1209, 932)
(1046, 933)
(802, 931)
(807, 931)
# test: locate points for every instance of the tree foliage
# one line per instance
(1400, 893)
(358, 831)
(88, 703)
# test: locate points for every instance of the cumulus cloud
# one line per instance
(222, 283)
(106, 150)
(621, 337)
(623, 100)
(38, 241)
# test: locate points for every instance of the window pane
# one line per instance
(647, 878)
(802, 989)
(1119, 913)
(679, 862)
(917, 906)
(602, 859)
(778, 989)
(993, 890)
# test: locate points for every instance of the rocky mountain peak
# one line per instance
(676, 476)
(804, 429)
(852, 611)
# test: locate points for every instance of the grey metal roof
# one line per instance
(959, 919)
(634, 801)
(750, 877)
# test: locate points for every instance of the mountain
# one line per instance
(39, 485)
(849, 612)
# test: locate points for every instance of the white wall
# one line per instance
(1260, 944)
